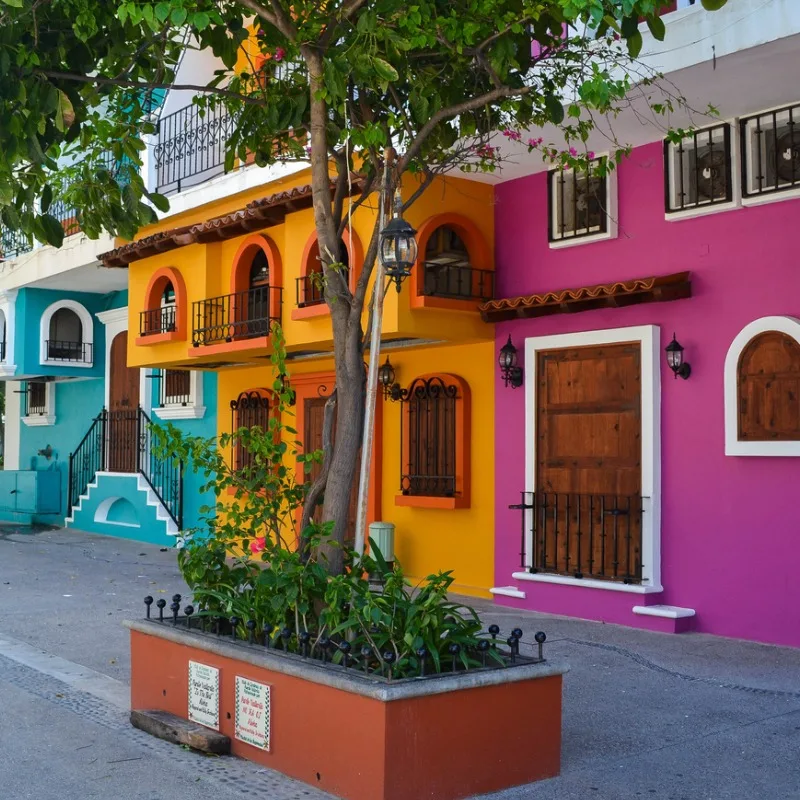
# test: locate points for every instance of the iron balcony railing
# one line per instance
(595, 536)
(237, 316)
(157, 320)
(60, 350)
(121, 441)
(309, 290)
(457, 282)
(13, 244)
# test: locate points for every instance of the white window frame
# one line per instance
(649, 338)
(194, 409)
(49, 417)
(87, 333)
(7, 305)
(554, 205)
(772, 195)
(734, 165)
(733, 445)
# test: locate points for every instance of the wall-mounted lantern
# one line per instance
(386, 378)
(398, 247)
(510, 370)
(674, 352)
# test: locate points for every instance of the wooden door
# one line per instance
(123, 408)
(314, 415)
(588, 510)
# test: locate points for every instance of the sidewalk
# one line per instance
(645, 715)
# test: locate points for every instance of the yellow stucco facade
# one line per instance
(424, 336)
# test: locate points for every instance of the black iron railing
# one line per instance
(88, 459)
(175, 387)
(309, 290)
(577, 203)
(237, 316)
(36, 399)
(428, 434)
(61, 350)
(163, 475)
(2, 351)
(770, 145)
(157, 320)
(121, 441)
(249, 410)
(13, 244)
(458, 282)
(582, 535)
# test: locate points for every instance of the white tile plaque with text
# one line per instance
(252, 712)
(204, 695)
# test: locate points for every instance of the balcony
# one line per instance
(61, 350)
(309, 290)
(454, 280)
(241, 317)
(158, 320)
(12, 244)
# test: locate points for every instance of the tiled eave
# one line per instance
(586, 298)
(255, 216)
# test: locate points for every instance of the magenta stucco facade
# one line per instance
(730, 525)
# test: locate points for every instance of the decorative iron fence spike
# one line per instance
(251, 627)
(148, 601)
(189, 610)
(161, 604)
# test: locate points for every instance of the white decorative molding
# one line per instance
(8, 302)
(104, 506)
(508, 591)
(648, 336)
(116, 321)
(733, 446)
(87, 329)
(39, 420)
(114, 315)
(49, 417)
(666, 612)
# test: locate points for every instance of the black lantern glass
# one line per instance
(386, 378)
(674, 352)
(510, 371)
(398, 247)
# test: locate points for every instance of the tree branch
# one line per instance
(348, 8)
(259, 10)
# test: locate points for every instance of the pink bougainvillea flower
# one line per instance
(279, 54)
(590, 154)
(258, 545)
(573, 152)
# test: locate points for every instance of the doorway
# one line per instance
(123, 408)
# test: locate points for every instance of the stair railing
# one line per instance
(88, 459)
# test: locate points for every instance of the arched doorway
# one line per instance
(123, 408)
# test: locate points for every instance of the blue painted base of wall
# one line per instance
(116, 506)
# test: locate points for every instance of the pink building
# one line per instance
(650, 493)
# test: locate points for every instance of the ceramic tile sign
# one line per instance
(252, 712)
(204, 695)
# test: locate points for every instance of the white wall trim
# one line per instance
(101, 513)
(87, 327)
(665, 612)
(733, 447)
(8, 302)
(11, 442)
(116, 322)
(649, 338)
(587, 583)
(194, 409)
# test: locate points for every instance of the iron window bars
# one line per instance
(158, 320)
(62, 350)
(594, 536)
(309, 290)
(35, 399)
(457, 281)
(237, 316)
(248, 410)
(770, 144)
(428, 436)
(698, 170)
(174, 387)
(578, 203)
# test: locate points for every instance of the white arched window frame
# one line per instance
(733, 445)
(87, 332)
(7, 304)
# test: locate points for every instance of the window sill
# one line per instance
(445, 303)
(762, 448)
(588, 583)
(158, 338)
(311, 312)
(40, 420)
(774, 196)
(180, 412)
(420, 501)
(8, 370)
(700, 211)
(63, 362)
(575, 241)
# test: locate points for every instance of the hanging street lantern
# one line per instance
(674, 352)
(510, 371)
(398, 246)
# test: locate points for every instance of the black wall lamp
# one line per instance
(674, 352)
(510, 370)
(386, 378)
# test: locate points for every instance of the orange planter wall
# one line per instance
(438, 747)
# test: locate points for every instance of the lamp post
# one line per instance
(397, 252)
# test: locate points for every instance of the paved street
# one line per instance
(645, 715)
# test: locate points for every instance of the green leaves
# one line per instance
(713, 5)
(65, 113)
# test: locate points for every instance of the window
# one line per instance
(258, 299)
(769, 389)
(771, 152)
(449, 271)
(250, 409)
(581, 205)
(164, 314)
(39, 403)
(435, 441)
(762, 389)
(65, 331)
(175, 387)
(698, 170)
(310, 288)
(179, 394)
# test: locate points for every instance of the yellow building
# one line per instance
(205, 286)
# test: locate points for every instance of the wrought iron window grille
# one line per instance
(309, 290)
(455, 279)
(770, 145)
(235, 317)
(36, 404)
(698, 170)
(578, 203)
(428, 431)
(595, 536)
(174, 387)
(158, 320)
(249, 410)
(60, 350)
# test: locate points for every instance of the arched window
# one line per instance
(164, 315)
(310, 288)
(762, 389)
(257, 322)
(66, 334)
(249, 410)
(448, 271)
(435, 440)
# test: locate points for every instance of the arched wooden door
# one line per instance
(123, 408)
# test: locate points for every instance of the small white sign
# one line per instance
(204, 695)
(252, 712)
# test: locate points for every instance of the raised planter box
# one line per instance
(361, 738)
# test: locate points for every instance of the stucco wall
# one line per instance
(729, 524)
